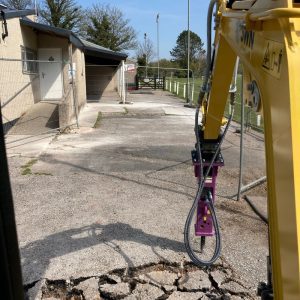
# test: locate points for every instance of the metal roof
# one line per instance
(89, 48)
(15, 13)
(97, 50)
(53, 30)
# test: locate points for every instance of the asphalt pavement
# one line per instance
(114, 195)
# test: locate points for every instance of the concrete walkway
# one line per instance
(114, 195)
(40, 118)
(33, 132)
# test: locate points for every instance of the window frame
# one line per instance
(29, 67)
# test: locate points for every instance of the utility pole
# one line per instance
(157, 22)
(188, 56)
(145, 37)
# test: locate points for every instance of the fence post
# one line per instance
(192, 100)
(170, 86)
(184, 90)
(258, 120)
(136, 82)
(177, 88)
(248, 116)
(175, 84)
(123, 83)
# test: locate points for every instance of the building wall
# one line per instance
(68, 115)
(100, 80)
(18, 91)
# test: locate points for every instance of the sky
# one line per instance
(173, 19)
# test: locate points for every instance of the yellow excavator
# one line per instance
(264, 35)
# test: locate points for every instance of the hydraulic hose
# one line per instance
(205, 81)
(256, 210)
(201, 96)
(203, 89)
(210, 204)
(203, 177)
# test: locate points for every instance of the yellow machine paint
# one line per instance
(266, 38)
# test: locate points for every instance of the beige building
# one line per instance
(41, 64)
(103, 68)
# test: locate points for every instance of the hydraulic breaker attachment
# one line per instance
(204, 224)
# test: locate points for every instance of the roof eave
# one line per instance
(105, 53)
(55, 30)
(10, 14)
(89, 50)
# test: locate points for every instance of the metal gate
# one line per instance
(150, 82)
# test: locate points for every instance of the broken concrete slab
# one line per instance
(90, 288)
(114, 278)
(194, 281)
(147, 291)
(161, 278)
(233, 297)
(234, 288)
(186, 296)
(132, 297)
(115, 291)
(218, 276)
(169, 288)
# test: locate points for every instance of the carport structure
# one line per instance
(103, 70)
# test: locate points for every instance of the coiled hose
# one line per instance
(189, 219)
(196, 260)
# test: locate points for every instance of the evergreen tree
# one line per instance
(180, 51)
(61, 13)
(106, 26)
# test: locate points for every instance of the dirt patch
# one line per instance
(26, 169)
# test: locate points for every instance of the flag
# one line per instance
(157, 18)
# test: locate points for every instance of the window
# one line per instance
(28, 64)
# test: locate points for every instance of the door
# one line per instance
(50, 74)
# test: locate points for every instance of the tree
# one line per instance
(18, 4)
(145, 53)
(180, 51)
(106, 26)
(146, 50)
(167, 67)
(61, 13)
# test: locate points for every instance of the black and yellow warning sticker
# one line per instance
(272, 58)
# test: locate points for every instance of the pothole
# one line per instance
(159, 281)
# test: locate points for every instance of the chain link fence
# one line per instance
(179, 87)
(37, 96)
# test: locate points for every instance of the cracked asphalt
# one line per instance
(116, 196)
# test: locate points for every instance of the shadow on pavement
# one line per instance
(38, 254)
